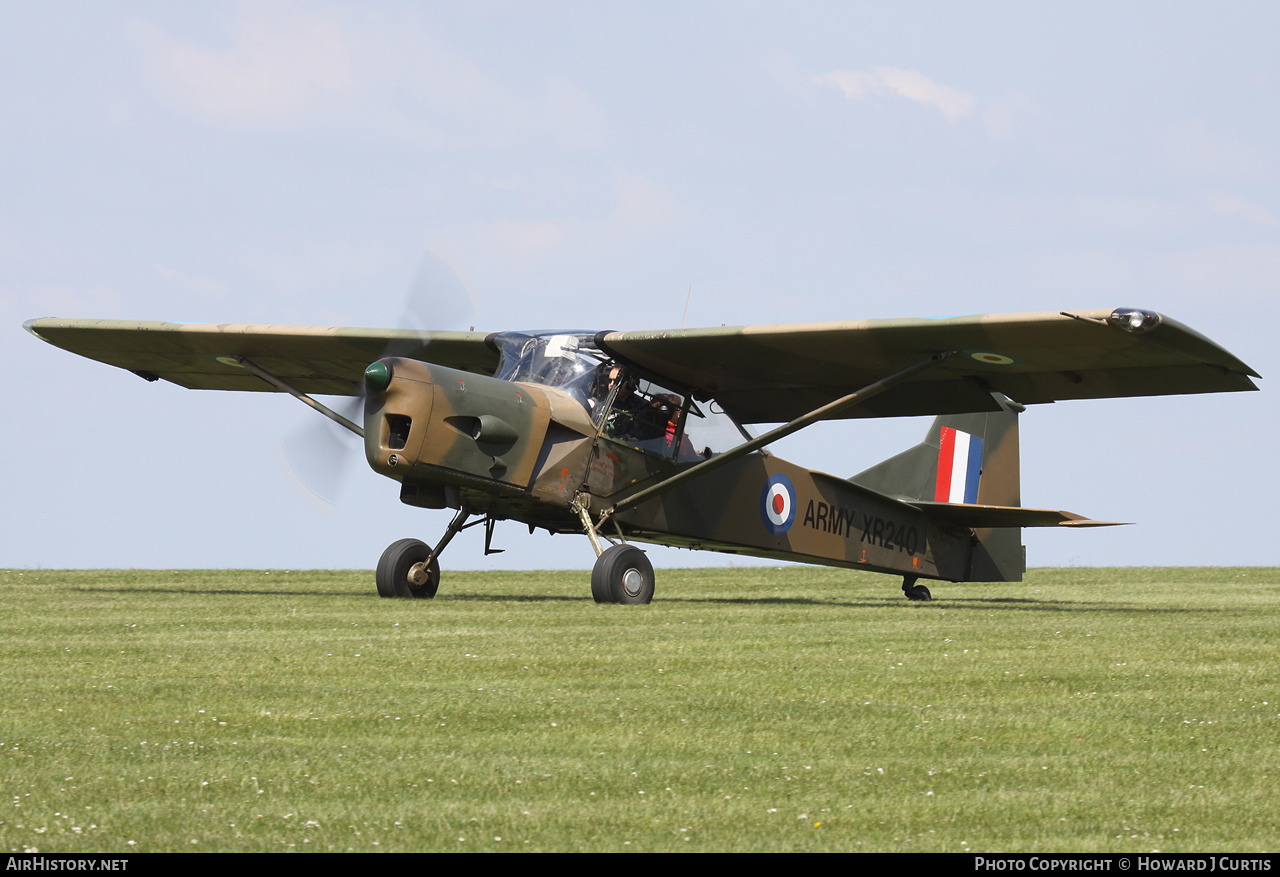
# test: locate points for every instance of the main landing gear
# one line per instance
(914, 591)
(409, 568)
(623, 573)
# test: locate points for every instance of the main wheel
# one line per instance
(622, 574)
(393, 570)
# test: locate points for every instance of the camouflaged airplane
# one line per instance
(640, 436)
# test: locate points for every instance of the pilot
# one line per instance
(634, 416)
(606, 376)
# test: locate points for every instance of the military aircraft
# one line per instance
(641, 436)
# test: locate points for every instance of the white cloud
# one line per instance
(277, 70)
(910, 84)
(1143, 217)
(528, 240)
(644, 206)
(1193, 147)
(396, 79)
(1246, 209)
(183, 281)
(642, 210)
(54, 301)
(1225, 274)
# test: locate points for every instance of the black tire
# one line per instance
(919, 592)
(393, 570)
(599, 587)
(622, 574)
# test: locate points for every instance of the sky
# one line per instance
(597, 165)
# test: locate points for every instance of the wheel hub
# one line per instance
(418, 574)
(633, 582)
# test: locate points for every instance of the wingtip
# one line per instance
(29, 325)
(1086, 522)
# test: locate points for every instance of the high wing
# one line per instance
(769, 374)
(759, 374)
(313, 359)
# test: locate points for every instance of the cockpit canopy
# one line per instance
(632, 411)
(568, 361)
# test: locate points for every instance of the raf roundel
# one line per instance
(988, 357)
(778, 504)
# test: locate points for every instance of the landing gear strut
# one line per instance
(622, 574)
(914, 591)
(409, 568)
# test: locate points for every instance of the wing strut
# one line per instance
(298, 394)
(831, 409)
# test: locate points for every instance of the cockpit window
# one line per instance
(567, 361)
(642, 414)
(709, 431)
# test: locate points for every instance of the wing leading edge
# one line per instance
(314, 359)
(759, 374)
(767, 374)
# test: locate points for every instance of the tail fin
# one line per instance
(967, 460)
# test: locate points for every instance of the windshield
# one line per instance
(568, 361)
(631, 410)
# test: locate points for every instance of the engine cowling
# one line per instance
(432, 424)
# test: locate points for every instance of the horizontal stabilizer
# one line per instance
(982, 516)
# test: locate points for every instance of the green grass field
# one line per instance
(762, 709)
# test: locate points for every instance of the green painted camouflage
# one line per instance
(584, 421)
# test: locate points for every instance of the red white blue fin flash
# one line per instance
(959, 467)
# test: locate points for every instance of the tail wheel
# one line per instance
(622, 574)
(919, 592)
(395, 565)
(914, 591)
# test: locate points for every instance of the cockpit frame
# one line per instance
(626, 406)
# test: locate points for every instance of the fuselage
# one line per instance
(584, 430)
